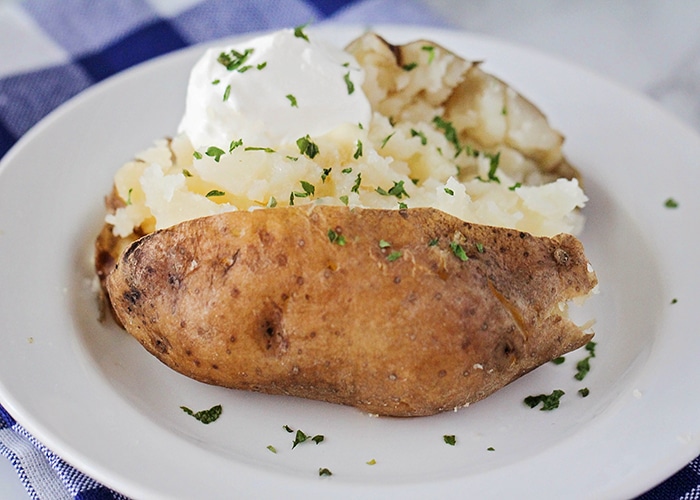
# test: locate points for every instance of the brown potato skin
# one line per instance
(265, 301)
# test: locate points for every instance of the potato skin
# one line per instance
(266, 301)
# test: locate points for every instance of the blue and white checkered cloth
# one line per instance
(52, 50)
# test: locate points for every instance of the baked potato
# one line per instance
(396, 312)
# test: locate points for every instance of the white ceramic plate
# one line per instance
(93, 395)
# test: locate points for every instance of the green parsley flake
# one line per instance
(197, 155)
(344, 199)
(323, 471)
(186, 172)
(409, 66)
(393, 256)
(215, 153)
(479, 247)
(358, 151)
(371, 462)
(515, 186)
(308, 188)
(559, 360)
(671, 203)
(433, 242)
(288, 429)
(233, 59)
(336, 238)
(215, 192)
(347, 170)
(584, 366)
(418, 133)
(262, 65)
(307, 146)
(431, 52)
(325, 174)
(398, 190)
(494, 160)
(504, 111)
(449, 191)
(128, 197)
(549, 401)
(674, 301)
(235, 144)
(227, 92)
(258, 148)
(386, 139)
(348, 83)
(299, 438)
(459, 251)
(402, 205)
(205, 416)
(272, 449)
(450, 439)
(450, 133)
(272, 203)
(584, 392)
(292, 100)
(356, 187)
(490, 448)
(299, 32)
(384, 244)
(216, 82)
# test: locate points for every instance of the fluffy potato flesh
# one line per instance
(396, 312)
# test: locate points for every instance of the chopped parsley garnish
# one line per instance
(358, 151)
(301, 437)
(216, 82)
(494, 160)
(292, 100)
(386, 139)
(197, 155)
(584, 392)
(402, 205)
(233, 59)
(347, 170)
(227, 92)
(674, 301)
(262, 65)
(205, 416)
(431, 52)
(258, 148)
(358, 180)
(409, 66)
(450, 439)
(344, 199)
(490, 448)
(245, 68)
(299, 32)
(515, 186)
(128, 196)
(479, 247)
(272, 449)
(215, 192)
(398, 190)
(418, 133)
(584, 366)
(549, 401)
(323, 471)
(382, 191)
(504, 110)
(450, 133)
(186, 172)
(449, 191)
(292, 158)
(234, 144)
(307, 146)
(325, 174)
(459, 251)
(371, 462)
(215, 153)
(433, 242)
(559, 360)
(384, 244)
(671, 203)
(308, 188)
(288, 429)
(348, 83)
(336, 238)
(272, 203)
(393, 256)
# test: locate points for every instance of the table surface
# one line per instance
(650, 46)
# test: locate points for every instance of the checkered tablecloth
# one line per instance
(51, 50)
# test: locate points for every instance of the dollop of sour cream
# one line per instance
(272, 90)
